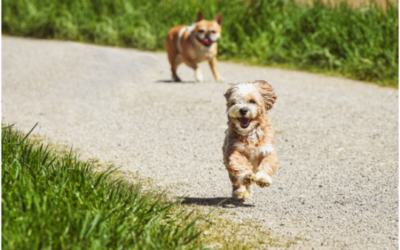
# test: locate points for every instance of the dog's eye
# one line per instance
(201, 31)
(213, 32)
(252, 101)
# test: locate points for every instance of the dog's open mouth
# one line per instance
(206, 41)
(244, 122)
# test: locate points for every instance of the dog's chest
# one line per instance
(203, 53)
(253, 155)
(256, 154)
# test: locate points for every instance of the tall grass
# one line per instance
(359, 43)
(56, 202)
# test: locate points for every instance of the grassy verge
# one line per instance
(360, 43)
(57, 202)
(52, 200)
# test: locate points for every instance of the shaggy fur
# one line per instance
(249, 146)
(194, 44)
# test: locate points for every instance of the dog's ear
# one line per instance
(200, 16)
(267, 92)
(229, 92)
(218, 18)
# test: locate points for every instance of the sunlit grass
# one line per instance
(383, 4)
(56, 201)
(53, 200)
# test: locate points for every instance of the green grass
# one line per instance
(54, 201)
(358, 43)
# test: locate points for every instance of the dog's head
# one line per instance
(207, 32)
(247, 103)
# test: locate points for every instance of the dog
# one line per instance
(194, 44)
(249, 145)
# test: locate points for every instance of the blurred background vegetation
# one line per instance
(360, 42)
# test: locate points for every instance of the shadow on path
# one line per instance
(226, 202)
(172, 81)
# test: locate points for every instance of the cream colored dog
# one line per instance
(194, 44)
(249, 147)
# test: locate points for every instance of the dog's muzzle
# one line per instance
(208, 40)
(244, 121)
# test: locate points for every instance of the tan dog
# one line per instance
(249, 147)
(194, 44)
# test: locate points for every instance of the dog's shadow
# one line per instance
(225, 202)
(172, 81)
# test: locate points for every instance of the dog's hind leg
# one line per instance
(173, 55)
(175, 60)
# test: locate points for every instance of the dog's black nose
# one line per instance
(243, 111)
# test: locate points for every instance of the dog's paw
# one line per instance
(263, 180)
(220, 79)
(176, 79)
(241, 194)
(246, 195)
(199, 75)
(263, 183)
(247, 179)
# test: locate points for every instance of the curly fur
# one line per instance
(249, 146)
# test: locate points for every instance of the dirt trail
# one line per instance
(337, 139)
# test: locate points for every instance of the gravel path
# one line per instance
(337, 139)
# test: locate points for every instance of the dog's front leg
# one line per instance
(199, 74)
(267, 168)
(240, 174)
(213, 66)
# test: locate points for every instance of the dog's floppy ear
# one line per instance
(200, 16)
(218, 18)
(229, 92)
(267, 92)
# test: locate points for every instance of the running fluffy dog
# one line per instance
(249, 147)
(194, 44)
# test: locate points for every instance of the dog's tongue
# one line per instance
(206, 41)
(244, 122)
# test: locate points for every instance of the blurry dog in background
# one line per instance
(194, 44)
(249, 146)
